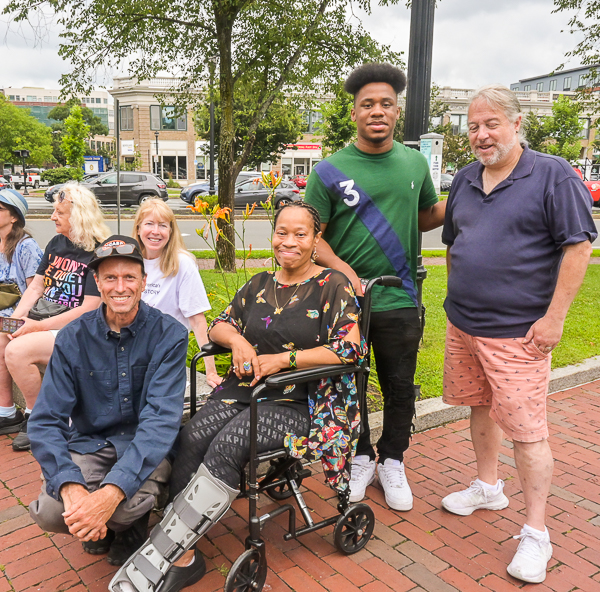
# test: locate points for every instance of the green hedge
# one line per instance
(62, 175)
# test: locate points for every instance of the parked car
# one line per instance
(446, 181)
(593, 187)
(191, 192)
(253, 191)
(33, 179)
(5, 183)
(49, 194)
(136, 188)
(300, 181)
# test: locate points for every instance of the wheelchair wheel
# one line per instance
(247, 574)
(283, 491)
(354, 528)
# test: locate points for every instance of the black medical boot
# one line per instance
(127, 542)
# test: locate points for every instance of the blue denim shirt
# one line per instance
(124, 390)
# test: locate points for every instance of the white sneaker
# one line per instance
(362, 474)
(395, 486)
(531, 559)
(476, 497)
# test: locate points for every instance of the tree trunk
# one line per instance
(226, 244)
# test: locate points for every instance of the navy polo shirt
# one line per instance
(506, 247)
(118, 389)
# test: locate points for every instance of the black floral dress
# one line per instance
(320, 311)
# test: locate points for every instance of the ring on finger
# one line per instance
(247, 366)
(234, 368)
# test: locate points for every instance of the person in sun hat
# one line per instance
(118, 374)
(20, 257)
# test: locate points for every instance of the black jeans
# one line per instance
(395, 336)
(219, 436)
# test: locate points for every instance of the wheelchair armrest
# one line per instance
(301, 376)
(212, 349)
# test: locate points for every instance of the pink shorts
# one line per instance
(510, 376)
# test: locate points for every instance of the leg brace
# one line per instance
(200, 505)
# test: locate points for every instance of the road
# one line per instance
(258, 232)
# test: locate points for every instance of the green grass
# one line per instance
(256, 254)
(433, 252)
(581, 337)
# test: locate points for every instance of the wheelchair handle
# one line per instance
(384, 280)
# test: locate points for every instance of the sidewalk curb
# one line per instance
(434, 412)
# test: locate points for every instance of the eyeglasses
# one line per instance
(62, 196)
(119, 249)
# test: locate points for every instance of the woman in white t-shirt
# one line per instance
(173, 283)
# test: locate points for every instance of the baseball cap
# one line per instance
(16, 200)
(117, 246)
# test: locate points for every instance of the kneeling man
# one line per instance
(117, 374)
(519, 230)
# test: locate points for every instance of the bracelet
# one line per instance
(293, 364)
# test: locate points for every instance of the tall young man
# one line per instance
(374, 196)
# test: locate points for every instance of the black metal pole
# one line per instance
(118, 124)
(157, 157)
(418, 88)
(211, 186)
(418, 95)
(24, 175)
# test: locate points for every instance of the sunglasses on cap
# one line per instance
(125, 249)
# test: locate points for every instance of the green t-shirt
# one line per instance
(371, 203)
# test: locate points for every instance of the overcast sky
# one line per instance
(476, 42)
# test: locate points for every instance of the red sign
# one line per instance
(305, 146)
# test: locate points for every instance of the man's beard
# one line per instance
(501, 151)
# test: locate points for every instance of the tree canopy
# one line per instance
(558, 134)
(21, 131)
(73, 142)
(281, 125)
(338, 128)
(63, 110)
(267, 47)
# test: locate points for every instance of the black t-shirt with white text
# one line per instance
(67, 277)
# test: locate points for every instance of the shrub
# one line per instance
(172, 184)
(62, 175)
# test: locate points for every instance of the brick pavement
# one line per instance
(425, 549)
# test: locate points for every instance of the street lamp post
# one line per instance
(418, 93)
(156, 161)
(23, 154)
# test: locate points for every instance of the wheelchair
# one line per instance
(353, 524)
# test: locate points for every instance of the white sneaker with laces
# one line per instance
(392, 477)
(362, 474)
(531, 559)
(476, 497)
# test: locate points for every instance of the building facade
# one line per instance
(563, 81)
(40, 101)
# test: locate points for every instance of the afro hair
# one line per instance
(374, 72)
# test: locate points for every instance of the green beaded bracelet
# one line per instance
(293, 364)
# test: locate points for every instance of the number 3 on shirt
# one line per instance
(347, 187)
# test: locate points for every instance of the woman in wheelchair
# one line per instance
(301, 316)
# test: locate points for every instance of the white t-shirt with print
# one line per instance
(180, 296)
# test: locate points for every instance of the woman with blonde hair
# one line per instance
(62, 289)
(173, 283)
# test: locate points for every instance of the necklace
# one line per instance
(279, 309)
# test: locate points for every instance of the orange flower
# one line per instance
(222, 213)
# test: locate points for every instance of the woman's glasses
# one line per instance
(62, 196)
(105, 251)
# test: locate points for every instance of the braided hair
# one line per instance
(305, 206)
